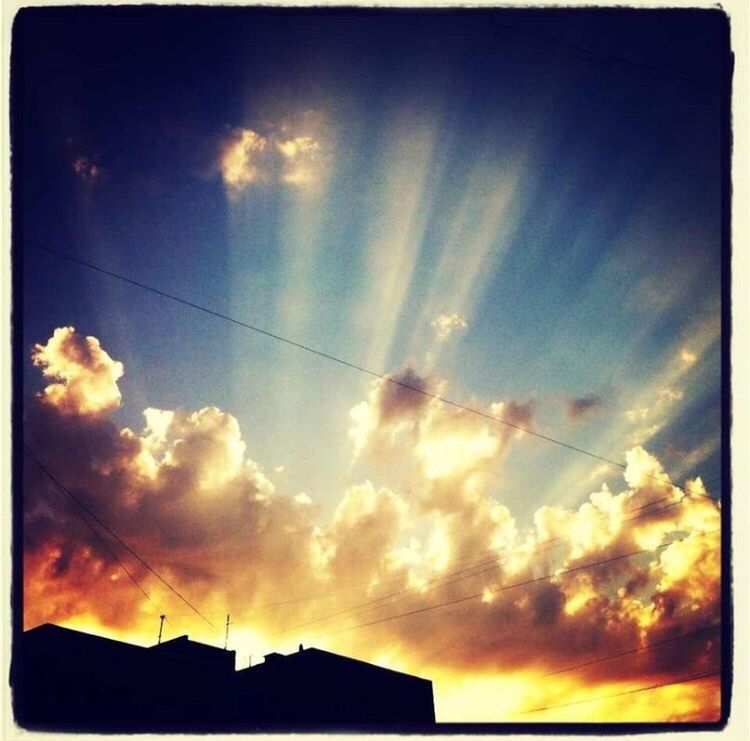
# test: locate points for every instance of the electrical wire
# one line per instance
(335, 359)
(526, 582)
(646, 647)
(681, 680)
(483, 567)
(29, 452)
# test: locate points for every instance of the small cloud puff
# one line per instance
(85, 168)
(239, 160)
(301, 157)
(85, 375)
(250, 157)
(446, 325)
(688, 357)
(583, 406)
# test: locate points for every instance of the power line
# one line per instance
(120, 562)
(592, 55)
(526, 582)
(335, 359)
(476, 564)
(478, 568)
(102, 524)
(352, 587)
(114, 555)
(646, 647)
(681, 680)
(370, 604)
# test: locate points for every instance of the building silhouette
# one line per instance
(73, 681)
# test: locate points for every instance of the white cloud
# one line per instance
(446, 325)
(688, 357)
(249, 157)
(240, 164)
(85, 375)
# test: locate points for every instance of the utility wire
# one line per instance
(506, 587)
(475, 565)
(114, 555)
(478, 569)
(681, 680)
(610, 60)
(373, 604)
(352, 587)
(335, 359)
(645, 647)
(469, 559)
(102, 524)
(121, 564)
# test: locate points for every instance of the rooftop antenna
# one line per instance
(226, 635)
(161, 625)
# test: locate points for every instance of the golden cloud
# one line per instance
(239, 160)
(481, 596)
(248, 157)
(86, 377)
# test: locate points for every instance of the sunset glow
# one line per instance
(441, 388)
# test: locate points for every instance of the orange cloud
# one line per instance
(518, 600)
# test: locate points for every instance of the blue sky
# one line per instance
(564, 206)
(520, 211)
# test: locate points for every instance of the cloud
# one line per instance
(85, 169)
(365, 526)
(392, 409)
(688, 357)
(85, 376)
(446, 325)
(526, 598)
(249, 157)
(661, 404)
(240, 159)
(584, 406)
(301, 155)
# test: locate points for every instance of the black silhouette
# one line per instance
(69, 680)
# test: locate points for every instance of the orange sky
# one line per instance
(184, 494)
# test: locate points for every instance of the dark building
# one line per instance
(68, 680)
(184, 648)
(323, 689)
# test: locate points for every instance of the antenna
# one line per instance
(226, 635)
(161, 625)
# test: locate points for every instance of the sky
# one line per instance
(517, 211)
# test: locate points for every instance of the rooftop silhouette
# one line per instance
(69, 680)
